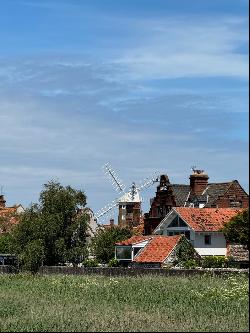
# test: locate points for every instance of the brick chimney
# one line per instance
(198, 181)
(2, 201)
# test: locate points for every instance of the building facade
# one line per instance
(198, 193)
(201, 226)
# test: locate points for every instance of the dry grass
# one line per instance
(123, 304)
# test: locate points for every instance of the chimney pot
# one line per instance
(198, 182)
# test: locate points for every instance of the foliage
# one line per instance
(186, 254)
(61, 303)
(191, 263)
(237, 229)
(113, 263)
(5, 243)
(103, 243)
(90, 263)
(214, 262)
(52, 231)
(32, 255)
(219, 262)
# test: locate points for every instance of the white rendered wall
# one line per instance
(216, 248)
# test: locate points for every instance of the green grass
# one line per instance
(123, 304)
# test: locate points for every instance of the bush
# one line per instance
(113, 263)
(90, 263)
(214, 262)
(190, 263)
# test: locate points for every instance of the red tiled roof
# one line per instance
(8, 219)
(7, 211)
(206, 219)
(134, 240)
(157, 250)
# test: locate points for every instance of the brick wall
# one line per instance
(233, 195)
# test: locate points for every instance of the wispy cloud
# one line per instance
(202, 48)
(144, 90)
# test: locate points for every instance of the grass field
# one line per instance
(123, 304)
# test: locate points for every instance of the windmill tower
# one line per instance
(128, 203)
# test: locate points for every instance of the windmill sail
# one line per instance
(130, 197)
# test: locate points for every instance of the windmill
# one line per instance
(129, 202)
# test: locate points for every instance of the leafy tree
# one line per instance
(7, 224)
(103, 243)
(237, 229)
(5, 243)
(52, 231)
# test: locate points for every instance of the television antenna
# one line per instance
(1, 189)
(132, 195)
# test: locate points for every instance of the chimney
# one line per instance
(198, 182)
(2, 201)
(111, 222)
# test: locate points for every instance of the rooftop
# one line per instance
(206, 219)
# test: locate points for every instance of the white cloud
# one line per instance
(183, 47)
(70, 136)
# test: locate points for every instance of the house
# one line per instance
(8, 215)
(198, 193)
(202, 226)
(150, 251)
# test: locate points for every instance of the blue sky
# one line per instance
(143, 84)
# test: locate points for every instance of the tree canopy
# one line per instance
(237, 229)
(103, 243)
(52, 231)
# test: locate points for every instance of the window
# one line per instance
(123, 252)
(177, 222)
(174, 223)
(207, 239)
(159, 211)
(234, 203)
(136, 250)
(129, 209)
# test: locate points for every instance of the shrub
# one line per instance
(90, 263)
(214, 262)
(113, 263)
(190, 263)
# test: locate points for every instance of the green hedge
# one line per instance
(218, 262)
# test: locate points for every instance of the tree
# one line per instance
(5, 243)
(237, 229)
(103, 243)
(52, 231)
(7, 224)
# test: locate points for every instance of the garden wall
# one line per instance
(119, 271)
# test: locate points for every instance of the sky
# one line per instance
(146, 85)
